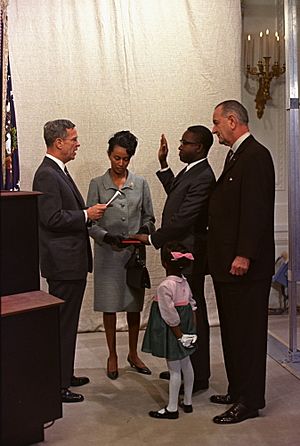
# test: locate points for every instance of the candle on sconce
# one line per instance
(248, 50)
(275, 47)
(252, 52)
(267, 43)
(278, 49)
(260, 51)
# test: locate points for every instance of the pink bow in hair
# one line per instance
(178, 255)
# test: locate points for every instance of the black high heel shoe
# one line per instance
(111, 375)
(143, 370)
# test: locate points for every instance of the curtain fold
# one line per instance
(148, 66)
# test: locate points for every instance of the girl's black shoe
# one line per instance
(166, 414)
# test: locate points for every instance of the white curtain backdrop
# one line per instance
(150, 66)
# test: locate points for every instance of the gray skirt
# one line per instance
(159, 338)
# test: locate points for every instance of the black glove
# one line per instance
(114, 240)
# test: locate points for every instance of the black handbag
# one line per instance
(137, 275)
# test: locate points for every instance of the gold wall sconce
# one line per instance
(264, 71)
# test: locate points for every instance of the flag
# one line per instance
(12, 169)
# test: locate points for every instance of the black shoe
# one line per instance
(143, 370)
(166, 414)
(222, 399)
(79, 381)
(165, 375)
(187, 408)
(70, 397)
(198, 385)
(112, 375)
(237, 413)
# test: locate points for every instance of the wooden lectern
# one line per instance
(30, 366)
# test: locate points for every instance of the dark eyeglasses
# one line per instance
(184, 142)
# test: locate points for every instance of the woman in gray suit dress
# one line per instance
(128, 213)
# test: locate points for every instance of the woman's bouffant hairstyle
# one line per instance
(168, 258)
(123, 139)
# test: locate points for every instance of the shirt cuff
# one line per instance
(164, 169)
(86, 216)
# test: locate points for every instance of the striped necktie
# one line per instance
(228, 157)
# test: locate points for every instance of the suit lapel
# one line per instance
(68, 180)
(229, 165)
(193, 171)
(178, 178)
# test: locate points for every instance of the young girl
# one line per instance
(171, 328)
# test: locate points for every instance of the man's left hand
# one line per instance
(240, 266)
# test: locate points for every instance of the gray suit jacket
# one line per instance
(65, 251)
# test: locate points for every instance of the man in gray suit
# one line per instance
(65, 252)
(184, 218)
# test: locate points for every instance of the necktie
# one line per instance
(71, 180)
(67, 173)
(74, 188)
(229, 156)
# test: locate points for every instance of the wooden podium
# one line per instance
(30, 334)
(30, 366)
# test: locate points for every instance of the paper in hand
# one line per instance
(116, 194)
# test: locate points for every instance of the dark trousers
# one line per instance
(71, 291)
(243, 314)
(201, 357)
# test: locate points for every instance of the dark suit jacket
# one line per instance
(241, 214)
(65, 252)
(185, 213)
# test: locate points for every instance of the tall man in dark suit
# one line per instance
(241, 260)
(184, 219)
(65, 252)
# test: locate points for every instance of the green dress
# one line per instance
(172, 306)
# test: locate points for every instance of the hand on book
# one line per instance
(143, 238)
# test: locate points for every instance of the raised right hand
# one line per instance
(163, 152)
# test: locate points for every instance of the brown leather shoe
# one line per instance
(237, 413)
(222, 399)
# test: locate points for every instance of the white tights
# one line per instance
(175, 368)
